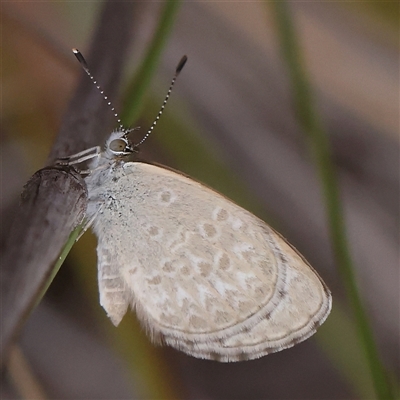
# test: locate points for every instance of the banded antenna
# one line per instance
(178, 69)
(85, 67)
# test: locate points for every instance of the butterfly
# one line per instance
(203, 275)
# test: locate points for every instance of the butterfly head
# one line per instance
(118, 145)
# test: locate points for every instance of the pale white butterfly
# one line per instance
(204, 275)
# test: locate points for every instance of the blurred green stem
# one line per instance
(68, 246)
(141, 81)
(320, 148)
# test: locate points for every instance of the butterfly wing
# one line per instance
(204, 275)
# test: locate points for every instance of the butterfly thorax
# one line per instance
(108, 167)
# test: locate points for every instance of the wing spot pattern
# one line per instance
(166, 197)
(185, 270)
(205, 269)
(153, 231)
(197, 322)
(224, 262)
(220, 214)
(168, 267)
(208, 230)
(155, 281)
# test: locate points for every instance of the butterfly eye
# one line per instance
(119, 146)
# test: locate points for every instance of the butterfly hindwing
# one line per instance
(203, 274)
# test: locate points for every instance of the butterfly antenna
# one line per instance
(181, 64)
(85, 67)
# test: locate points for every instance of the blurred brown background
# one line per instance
(233, 102)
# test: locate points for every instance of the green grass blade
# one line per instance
(320, 148)
(64, 252)
(139, 84)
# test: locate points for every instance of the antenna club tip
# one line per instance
(81, 59)
(181, 64)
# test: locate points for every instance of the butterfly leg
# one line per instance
(80, 157)
(88, 223)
